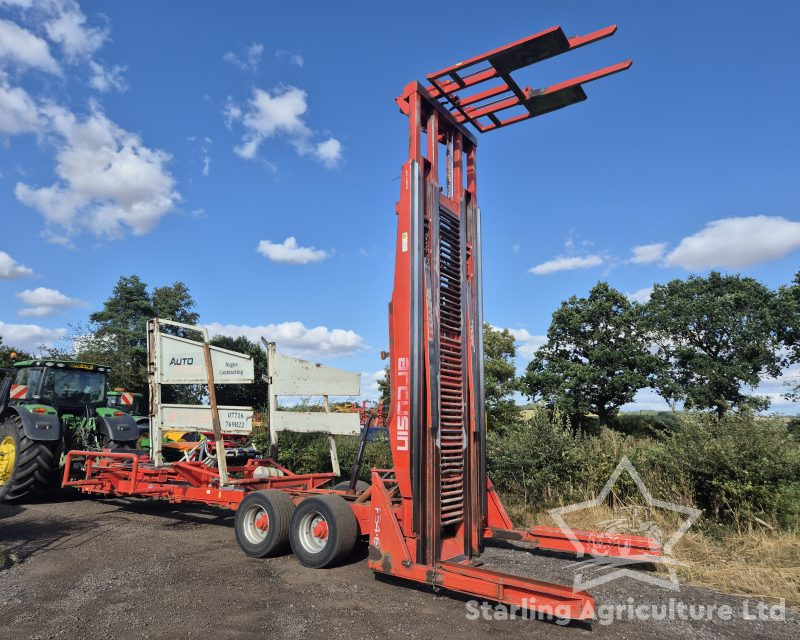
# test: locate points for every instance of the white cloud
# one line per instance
(37, 312)
(294, 338)
(369, 384)
(204, 144)
(329, 152)
(231, 112)
(776, 388)
(43, 302)
(646, 400)
(293, 58)
(10, 269)
(648, 253)
(29, 336)
(56, 237)
(270, 113)
(68, 29)
(108, 179)
(66, 26)
(204, 147)
(279, 113)
(640, 295)
(46, 296)
(527, 343)
(106, 78)
(736, 243)
(248, 59)
(772, 388)
(288, 252)
(565, 263)
(22, 47)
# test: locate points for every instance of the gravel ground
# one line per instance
(136, 569)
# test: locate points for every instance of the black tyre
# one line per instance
(323, 531)
(117, 445)
(262, 523)
(123, 447)
(345, 486)
(27, 467)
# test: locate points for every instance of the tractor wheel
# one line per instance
(116, 445)
(262, 523)
(324, 530)
(27, 466)
(345, 486)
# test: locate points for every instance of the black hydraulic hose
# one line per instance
(359, 456)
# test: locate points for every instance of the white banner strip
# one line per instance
(185, 417)
(343, 424)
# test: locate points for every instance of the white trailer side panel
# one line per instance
(344, 424)
(295, 377)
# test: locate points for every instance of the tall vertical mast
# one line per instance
(437, 426)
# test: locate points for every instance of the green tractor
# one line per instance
(48, 407)
(134, 405)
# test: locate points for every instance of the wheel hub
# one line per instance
(256, 524)
(8, 454)
(321, 530)
(313, 532)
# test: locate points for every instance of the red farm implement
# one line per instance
(427, 519)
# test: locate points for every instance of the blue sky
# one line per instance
(252, 150)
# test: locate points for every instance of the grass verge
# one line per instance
(6, 558)
(754, 563)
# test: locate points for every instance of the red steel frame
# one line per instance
(442, 505)
(427, 518)
(483, 108)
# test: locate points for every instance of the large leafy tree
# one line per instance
(595, 358)
(715, 335)
(385, 387)
(117, 333)
(9, 355)
(174, 302)
(500, 377)
(788, 315)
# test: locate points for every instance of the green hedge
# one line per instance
(736, 469)
(308, 452)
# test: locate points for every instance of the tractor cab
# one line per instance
(74, 388)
